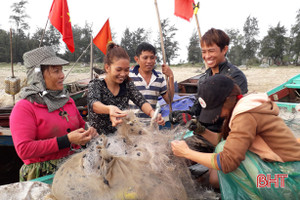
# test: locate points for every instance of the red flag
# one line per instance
(184, 9)
(60, 18)
(103, 37)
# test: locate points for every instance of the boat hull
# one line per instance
(287, 95)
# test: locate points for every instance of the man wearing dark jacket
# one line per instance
(214, 45)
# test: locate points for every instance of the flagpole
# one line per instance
(161, 35)
(198, 28)
(91, 57)
(44, 32)
(197, 22)
(164, 56)
(76, 62)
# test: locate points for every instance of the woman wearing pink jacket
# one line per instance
(45, 123)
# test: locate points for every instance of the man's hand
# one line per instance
(180, 116)
(160, 120)
(196, 126)
(166, 70)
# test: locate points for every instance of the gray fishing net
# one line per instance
(292, 120)
(25, 190)
(134, 163)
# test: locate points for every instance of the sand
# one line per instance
(260, 79)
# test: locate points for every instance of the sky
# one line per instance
(133, 14)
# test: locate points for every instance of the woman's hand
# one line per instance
(180, 148)
(115, 115)
(92, 132)
(81, 136)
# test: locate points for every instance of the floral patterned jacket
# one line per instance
(98, 91)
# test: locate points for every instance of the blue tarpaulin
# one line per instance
(179, 103)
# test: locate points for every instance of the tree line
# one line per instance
(279, 46)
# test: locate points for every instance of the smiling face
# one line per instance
(213, 55)
(54, 77)
(146, 60)
(118, 71)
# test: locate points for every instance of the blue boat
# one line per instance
(287, 95)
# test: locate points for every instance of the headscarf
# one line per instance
(36, 90)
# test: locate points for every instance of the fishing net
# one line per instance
(25, 190)
(245, 181)
(134, 163)
(292, 120)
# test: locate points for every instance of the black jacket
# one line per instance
(227, 69)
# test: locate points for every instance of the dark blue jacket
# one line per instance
(227, 69)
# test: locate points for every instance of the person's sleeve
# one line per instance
(135, 96)
(63, 141)
(163, 88)
(23, 128)
(241, 80)
(241, 136)
(80, 119)
(196, 108)
(94, 93)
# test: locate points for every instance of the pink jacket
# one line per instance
(34, 130)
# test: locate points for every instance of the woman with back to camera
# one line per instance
(256, 143)
(45, 123)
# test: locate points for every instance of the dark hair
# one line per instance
(44, 68)
(144, 46)
(229, 105)
(114, 52)
(217, 36)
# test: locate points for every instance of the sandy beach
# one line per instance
(260, 79)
